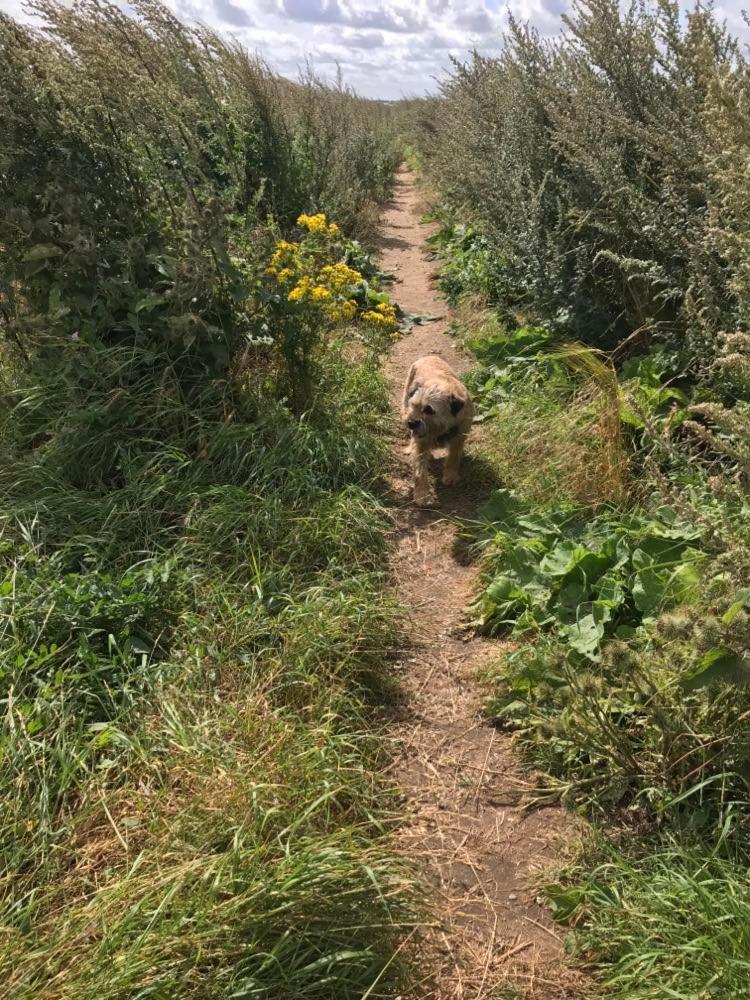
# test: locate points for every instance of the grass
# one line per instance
(627, 680)
(551, 412)
(669, 923)
(193, 795)
(195, 615)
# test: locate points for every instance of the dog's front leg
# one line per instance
(424, 494)
(453, 461)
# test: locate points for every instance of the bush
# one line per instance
(193, 607)
(587, 166)
(142, 226)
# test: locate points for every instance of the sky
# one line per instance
(385, 48)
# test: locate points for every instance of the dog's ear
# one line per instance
(415, 388)
(456, 405)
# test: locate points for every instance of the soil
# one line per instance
(468, 828)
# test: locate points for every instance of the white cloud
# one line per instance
(386, 48)
(230, 13)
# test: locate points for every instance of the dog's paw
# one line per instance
(450, 477)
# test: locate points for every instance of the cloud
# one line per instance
(313, 11)
(386, 48)
(390, 17)
(476, 20)
(231, 13)
(363, 39)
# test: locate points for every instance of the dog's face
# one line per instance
(429, 412)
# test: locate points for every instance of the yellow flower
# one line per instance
(333, 229)
(284, 254)
(301, 290)
(339, 276)
(285, 274)
(343, 311)
(383, 318)
(313, 223)
(320, 293)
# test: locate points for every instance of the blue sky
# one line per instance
(386, 48)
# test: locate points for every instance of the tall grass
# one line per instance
(592, 188)
(669, 923)
(194, 612)
(190, 788)
(591, 165)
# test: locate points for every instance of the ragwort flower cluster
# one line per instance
(307, 277)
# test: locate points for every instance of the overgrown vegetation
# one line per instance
(590, 208)
(193, 608)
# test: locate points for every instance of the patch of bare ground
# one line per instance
(475, 843)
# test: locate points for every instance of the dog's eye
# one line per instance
(427, 410)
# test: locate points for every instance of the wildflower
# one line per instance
(285, 274)
(313, 223)
(284, 254)
(301, 290)
(319, 293)
(343, 311)
(372, 317)
(333, 229)
(340, 276)
(383, 316)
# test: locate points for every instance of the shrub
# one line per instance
(193, 610)
(587, 166)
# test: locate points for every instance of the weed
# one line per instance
(194, 617)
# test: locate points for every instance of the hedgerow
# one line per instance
(591, 193)
(193, 607)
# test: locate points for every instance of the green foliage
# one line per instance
(470, 266)
(551, 411)
(586, 169)
(185, 660)
(585, 577)
(657, 723)
(664, 923)
(141, 226)
(595, 185)
(507, 358)
(193, 608)
(646, 401)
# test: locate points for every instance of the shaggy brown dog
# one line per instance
(438, 411)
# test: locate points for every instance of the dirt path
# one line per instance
(464, 787)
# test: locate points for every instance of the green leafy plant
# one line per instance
(585, 577)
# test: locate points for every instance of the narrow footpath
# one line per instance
(467, 828)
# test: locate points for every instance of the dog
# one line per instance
(437, 411)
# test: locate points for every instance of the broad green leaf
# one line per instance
(741, 601)
(562, 558)
(502, 509)
(585, 635)
(717, 666)
(42, 251)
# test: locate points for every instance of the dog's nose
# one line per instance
(412, 424)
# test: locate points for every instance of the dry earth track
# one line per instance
(467, 828)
